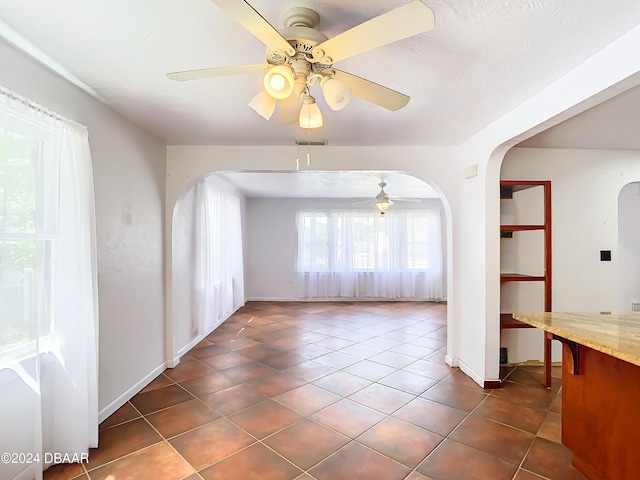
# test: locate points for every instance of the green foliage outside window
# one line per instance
(19, 161)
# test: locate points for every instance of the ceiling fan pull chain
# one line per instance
(298, 146)
(309, 147)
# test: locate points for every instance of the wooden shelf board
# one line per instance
(509, 187)
(516, 228)
(519, 277)
(523, 184)
(507, 321)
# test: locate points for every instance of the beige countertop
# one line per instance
(616, 334)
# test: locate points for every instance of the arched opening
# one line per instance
(628, 247)
(268, 202)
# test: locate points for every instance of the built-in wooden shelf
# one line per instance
(507, 190)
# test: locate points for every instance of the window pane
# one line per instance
(314, 246)
(25, 254)
(17, 295)
(18, 182)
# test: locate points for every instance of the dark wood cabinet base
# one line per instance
(601, 414)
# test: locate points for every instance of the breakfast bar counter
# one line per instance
(600, 388)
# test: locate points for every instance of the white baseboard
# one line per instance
(127, 395)
(340, 299)
(274, 299)
(184, 350)
(193, 342)
(30, 472)
(452, 362)
(474, 376)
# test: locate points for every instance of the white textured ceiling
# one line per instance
(483, 58)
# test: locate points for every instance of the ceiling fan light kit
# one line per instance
(278, 81)
(300, 56)
(264, 104)
(310, 114)
(336, 94)
(382, 204)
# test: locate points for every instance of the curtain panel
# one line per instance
(219, 272)
(48, 290)
(360, 254)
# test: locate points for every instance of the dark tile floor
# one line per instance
(331, 391)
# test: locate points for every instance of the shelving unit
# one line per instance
(508, 188)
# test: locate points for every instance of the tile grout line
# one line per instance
(382, 349)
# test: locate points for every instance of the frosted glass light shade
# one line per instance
(264, 104)
(310, 115)
(278, 81)
(336, 93)
(382, 204)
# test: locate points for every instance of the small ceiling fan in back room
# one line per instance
(300, 56)
(384, 200)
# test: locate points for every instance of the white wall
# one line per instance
(271, 237)
(129, 174)
(629, 245)
(185, 325)
(585, 186)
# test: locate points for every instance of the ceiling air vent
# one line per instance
(311, 142)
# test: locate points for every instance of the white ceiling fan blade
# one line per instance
(395, 198)
(372, 92)
(289, 110)
(249, 18)
(364, 201)
(403, 22)
(217, 72)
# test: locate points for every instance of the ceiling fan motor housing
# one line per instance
(301, 32)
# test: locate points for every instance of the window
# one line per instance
(335, 240)
(358, 253)
(313, 230)
(26, 240)
(48, 286)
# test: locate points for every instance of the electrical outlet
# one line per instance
(504, 357)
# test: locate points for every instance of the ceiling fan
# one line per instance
(384, 200)
(300, 56)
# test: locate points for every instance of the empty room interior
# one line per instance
(307, 240)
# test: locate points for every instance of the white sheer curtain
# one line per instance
(219, 275)
(360, 254)
(48, 290)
